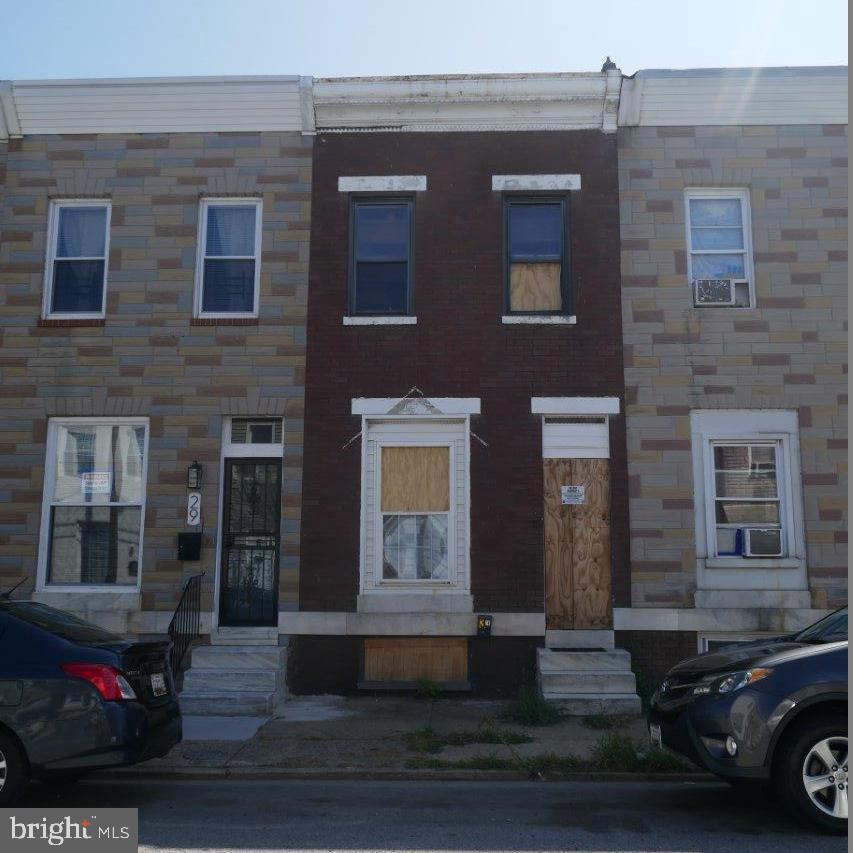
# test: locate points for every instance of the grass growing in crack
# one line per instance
(531, 709)
(614, 752)
(428, 740)
(602, 722)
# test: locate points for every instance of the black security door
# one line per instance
(252, 513)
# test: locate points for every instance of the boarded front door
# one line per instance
(251, 514)
(577, 544)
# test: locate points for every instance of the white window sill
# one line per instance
(416, 600)
(752, 563)
(75, 316)
(231, 316)
(87, 589)
(397, 320)
(540, 319)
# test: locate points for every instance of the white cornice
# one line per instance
(469, 102)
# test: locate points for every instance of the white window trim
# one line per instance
(204, 206)
(556, 406)
(742, 194)
(49, 481)
(50, 257)
(730, 425)
(737, 637)
(459, 575)
(539, 319)
(396, 320)
(382, 183)
(242, 450)
(535, 183)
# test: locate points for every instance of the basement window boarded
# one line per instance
(381, 256)
(537, 279)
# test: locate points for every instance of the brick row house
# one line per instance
(462, 447)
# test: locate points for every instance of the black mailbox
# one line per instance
(189, 546)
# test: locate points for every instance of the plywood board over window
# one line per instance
(535, 287)
(407, 660)
(577, 545)
(415, 479)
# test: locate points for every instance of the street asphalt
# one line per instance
(311, 815)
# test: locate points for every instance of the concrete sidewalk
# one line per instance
(380, 735)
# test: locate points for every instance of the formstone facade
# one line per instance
(149, 357)
(788, 352)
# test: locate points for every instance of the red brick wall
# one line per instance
(459, 348)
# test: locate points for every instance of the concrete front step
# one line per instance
(603, 683)
(585, 704)
(581, 639)
(617, 660)
(238, 657)
(244, 637)
(245, 703)
(201, 680)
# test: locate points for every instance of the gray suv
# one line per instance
(772, 712)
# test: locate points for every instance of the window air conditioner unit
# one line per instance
(762, 542)
(714, 291)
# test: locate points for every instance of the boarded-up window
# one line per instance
(536, 256)
(415, 479)
(415, 504)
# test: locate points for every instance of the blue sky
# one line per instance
(99, 38)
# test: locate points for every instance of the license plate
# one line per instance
(158, 684)
(655, 737)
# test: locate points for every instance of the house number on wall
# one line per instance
(573, 495)
(193, 509)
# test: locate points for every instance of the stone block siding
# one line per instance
(147, 358)
(789, 352)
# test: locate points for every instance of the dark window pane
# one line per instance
(382, 232)
(380, 288)
(82, 232)
(747, 514)
(78, 287)
(535, 231)
(94, 544)
(230, 230)
(228, 286)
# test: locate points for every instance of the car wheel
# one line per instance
(812, 773)
(13, 770)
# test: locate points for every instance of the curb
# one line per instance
(249, 773)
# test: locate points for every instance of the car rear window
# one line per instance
(58, 622)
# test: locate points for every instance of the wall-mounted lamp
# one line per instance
(194, 476)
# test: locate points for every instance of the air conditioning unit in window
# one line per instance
(762, 542)
(714, 291)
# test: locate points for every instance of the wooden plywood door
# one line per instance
(577, 545)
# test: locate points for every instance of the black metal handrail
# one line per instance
(186, 622)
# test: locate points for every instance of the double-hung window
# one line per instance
(719, 246)
(537, 270)
(228, 268)
(77, 251)
(94, 502)
(381, 256)
(415, 502)
(747, 503)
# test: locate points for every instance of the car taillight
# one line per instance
(107, 680)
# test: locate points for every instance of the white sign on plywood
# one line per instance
(573, 495)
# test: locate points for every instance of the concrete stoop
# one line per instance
(241, 673)
(583, 679)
